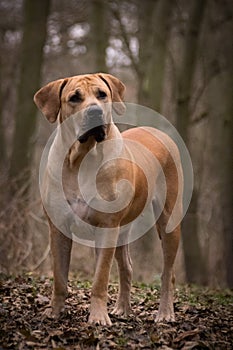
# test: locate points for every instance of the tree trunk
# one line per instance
(195, 267)
(217, 189)
(2, 135)
(187, 67)
(154, 21)
(34, 36)
(99, 35)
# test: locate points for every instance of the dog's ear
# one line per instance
(48, 99)
(117, 89)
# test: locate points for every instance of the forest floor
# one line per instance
(204, 318)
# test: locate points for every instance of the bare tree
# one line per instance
(194, 262)
(153, 31)
(216, 192)
(2, 136)
(99, 34)
(34, 35)
(154, 27)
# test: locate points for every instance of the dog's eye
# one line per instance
(102, 95)
(75, 98)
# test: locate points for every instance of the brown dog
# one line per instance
(91, 98)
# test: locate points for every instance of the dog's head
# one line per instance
(91, 97)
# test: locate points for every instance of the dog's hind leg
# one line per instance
(168, 225)
(122, 256)
(60, 249)
(170, 242)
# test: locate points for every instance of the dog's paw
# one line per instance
(98, 312)
(51, 312)
(165, 317)
(99, 318)
(48, 313)
(122, 309)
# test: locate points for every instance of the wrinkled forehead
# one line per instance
(85, 84)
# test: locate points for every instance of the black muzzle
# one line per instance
(93, 125)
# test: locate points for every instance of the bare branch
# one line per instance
(125, 37)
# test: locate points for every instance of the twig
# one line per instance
(126, 40)
(201, 117)
(43, 258)
(37, 218)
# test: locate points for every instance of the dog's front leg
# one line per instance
(60, 249)
(99, 295)
(122, 256)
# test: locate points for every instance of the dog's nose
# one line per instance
(94, 111)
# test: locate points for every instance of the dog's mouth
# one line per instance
(98, 132)
(93, 125)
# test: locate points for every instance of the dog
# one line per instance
(92, 99)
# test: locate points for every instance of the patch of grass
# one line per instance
(194, 295)
(121, 341)
(82, 284)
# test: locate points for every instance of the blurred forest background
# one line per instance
(175, 57)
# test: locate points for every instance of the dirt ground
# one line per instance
(204, 318)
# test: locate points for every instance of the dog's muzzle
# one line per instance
(93, 125)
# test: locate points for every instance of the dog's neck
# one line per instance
(79, 150)
(62, 155)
